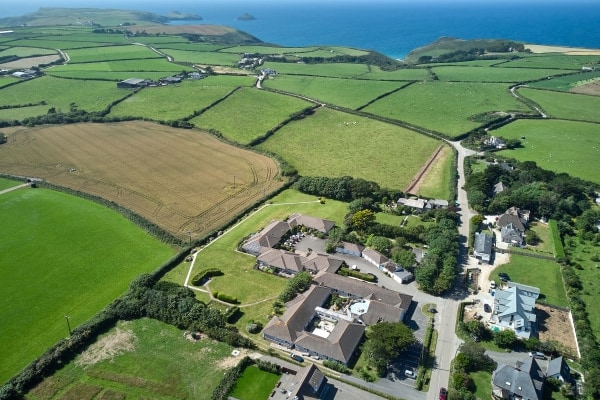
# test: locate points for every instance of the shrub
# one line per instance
(199, 278)
(336, 366)
(227, 298)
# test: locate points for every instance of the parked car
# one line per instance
(296, 357)
(504, 276)
(493, 284)
(537, 354)
(487, 307)
(410, 373)
(443, 394)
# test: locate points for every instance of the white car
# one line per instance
(537, 354)
(493, 284)
(410, 373)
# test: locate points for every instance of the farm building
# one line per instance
(25, 74)
(132, 83)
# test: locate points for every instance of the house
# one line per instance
(525, 381)
(558, 369)
(495, 142)
(499, 188)
(434, 204)
(195, 75)
(317, 224)
(25, 74)
(482, 247)
(415, 204)
(397, 273)
(512, 225)
(268, 71)
(267, 238)
(374, 257)
(132, 83)
(352, 249)
(514, 308)
(283, 261)
(308, 383)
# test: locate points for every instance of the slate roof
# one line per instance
(281, 259)
(558, 368)
(352, 248)
(483, 244)
(321, 262)
(310, 383)
(374, 257)
(526, 380)
(268, 237)
(510, 219)
(517, 302)
(510, 234)
(339, 345)
(321, 225)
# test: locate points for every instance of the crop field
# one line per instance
(254, 289)
(51, 236)
(339, 70)
(333, 144)
(26, 51)
(446, 107)
(528, 270)
(350, 93)
(249, 113)
(560, 146)
(565, 105)
(60, 93)
(204, 58)
(194, 184)
(151, 360)
(489, 74)
(565, 83)
(109, 53)
(558, 61)
(172, 102)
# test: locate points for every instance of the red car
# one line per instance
(443, 394)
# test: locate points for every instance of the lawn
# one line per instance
(560, 146)
(174, 102)
(64, 256)
(536, 272)
(155, 361)
(565, 105)
(482, 380)
(254, 384)
(436, 181)
(446, 107)
(334, 144)
(60, 93)
(249, 113)
(8, 183)
(349, 93)
(240, 278)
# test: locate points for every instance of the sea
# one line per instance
(391, 27)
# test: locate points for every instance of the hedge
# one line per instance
(205, 274)
(559, 251)
(227, 298)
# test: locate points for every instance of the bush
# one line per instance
(199, 278)
(254, 327)
(227, 298)
(336, 366)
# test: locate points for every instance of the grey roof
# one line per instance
(499, 187)
(268, 237)
(310, 383)
(374, 256)
(321, 262)
(339, 345)
(483, 243)
(322, 225)
(364, 290)
(282, 259)
(513, 220)
(517, 302)
(413, 203)
(526, 380)
(558, 368)
(378, 312)
(133, 81)
(510, 234)
(352, 247)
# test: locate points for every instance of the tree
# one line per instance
(505, 338)
(405, 258)
(385, 341)
(380, 243)
(361, 220)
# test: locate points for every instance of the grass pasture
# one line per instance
(161, 364)
(350, 93)
(249, 113)
(82, 254)
(404, 74)
(254, 384)
(335, 70)
(26, 51)
(565, 83)
(8, 183)
(529, 270)
(175, 102)
(560, 146)
(269, 50)
(189, 186)
(565, 105)
(332, 143)
(133, 67)
(17, 114)
(203, 58)
(492, 74)
(436, 181)
(446, 106)
(60, 93)
(110, 53)
(553, 60)
(581, 252)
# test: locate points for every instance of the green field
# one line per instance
(446, 106)
(404, 74)
(26, 51)
(160, 364)
(565, 83)
(565, 105)
(240, 279)
(350, 93)
(437, 180)
(254, 384)
(8, 183)
(173, 102)
(588, 271)
(63, 256)
(249, 113)
(139, 65)
(204, 58)
(489, 74)
(550, 60)
(17, 114)
(331, 143)
(560, 146)
(536, 272)
(261, 49)
(60, 93)
(109, 53)
(337, 70)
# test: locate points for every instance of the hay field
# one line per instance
(182, 180)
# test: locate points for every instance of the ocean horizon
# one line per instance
(392, 28)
